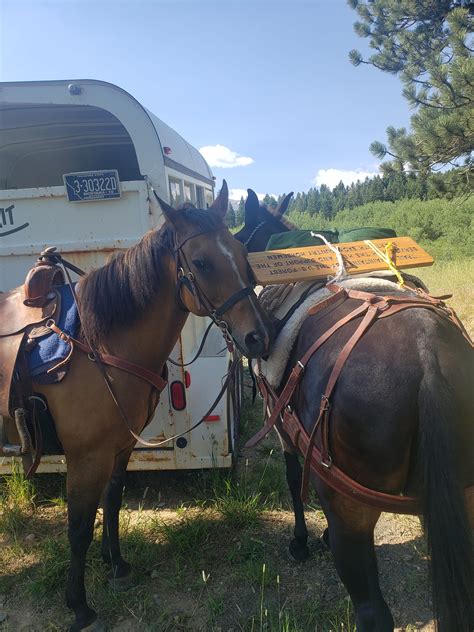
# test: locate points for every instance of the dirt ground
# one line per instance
(196, 570)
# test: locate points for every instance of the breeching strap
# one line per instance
(278, 406)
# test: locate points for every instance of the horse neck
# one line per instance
(150, 340)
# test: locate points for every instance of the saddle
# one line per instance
(24, 312)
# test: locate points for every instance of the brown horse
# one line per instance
(401, 422)
(134, 309)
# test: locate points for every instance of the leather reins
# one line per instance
(184, 277)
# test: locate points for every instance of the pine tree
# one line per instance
(240, 213)
(428, 44)
(270, 201)
(325, 197)
(229, 218)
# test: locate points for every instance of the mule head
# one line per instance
(213, 274)
(261, 222)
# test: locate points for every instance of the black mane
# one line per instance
(115, 295)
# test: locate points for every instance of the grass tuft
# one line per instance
(17, 495)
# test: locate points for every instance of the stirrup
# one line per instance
(23, 433)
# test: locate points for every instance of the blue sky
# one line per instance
(264, 85)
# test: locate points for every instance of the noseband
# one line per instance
(188, 279)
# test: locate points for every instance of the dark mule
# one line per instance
(131, 308)
(401, 422)
(262, 222)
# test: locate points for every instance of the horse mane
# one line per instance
(116, 294)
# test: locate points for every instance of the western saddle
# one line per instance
(24, 312)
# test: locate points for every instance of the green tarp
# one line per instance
(301, 238)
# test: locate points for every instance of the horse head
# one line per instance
(213, 275)
(261, 222)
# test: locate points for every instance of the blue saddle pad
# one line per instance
(50, 349)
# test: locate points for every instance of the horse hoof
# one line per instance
(121, 584)
(95, 626)
(298, 552)
(324, 539)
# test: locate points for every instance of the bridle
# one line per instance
(185, 277)
(255, 231)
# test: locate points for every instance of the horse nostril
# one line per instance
(255, 342)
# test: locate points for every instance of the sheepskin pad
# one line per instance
(277, 300)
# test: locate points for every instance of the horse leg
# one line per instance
(299, 545)
(121, 570)
(85, 483)
(351, 539)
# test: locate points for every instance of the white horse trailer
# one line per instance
(77, 162)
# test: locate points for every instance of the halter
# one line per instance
(188, 279)
(255, 231)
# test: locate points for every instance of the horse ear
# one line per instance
(171, 214)
(252, 208)
(221, 203)
(283, 206)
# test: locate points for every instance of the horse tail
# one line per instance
(444, 509)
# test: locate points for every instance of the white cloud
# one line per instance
(236, 194)
(332, 177)
(221, 156)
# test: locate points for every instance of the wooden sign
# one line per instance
(320, 262)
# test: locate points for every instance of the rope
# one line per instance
(388, 258)
(341, 271)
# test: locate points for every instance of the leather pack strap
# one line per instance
(298, 369)
(278, 406)
(340, 482)
(323, 418)
(151, 377)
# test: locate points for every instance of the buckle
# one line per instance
(325, 403)
(327, 464)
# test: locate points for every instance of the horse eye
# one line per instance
(201, 264)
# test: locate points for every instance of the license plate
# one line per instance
(90, 186)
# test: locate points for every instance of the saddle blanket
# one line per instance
(276, 300)
(50, 349)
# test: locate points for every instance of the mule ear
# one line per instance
(221, 203)
(252, 208)
(171, 214)
(283, 206)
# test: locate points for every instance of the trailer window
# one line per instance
(189, 195)
(40, 143)
(199, 197)
(209, 197)
(176, 196)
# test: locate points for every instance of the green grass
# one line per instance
(17, 496)
(443, 227)
(274, 614)
(188, 538)
(456, 278)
